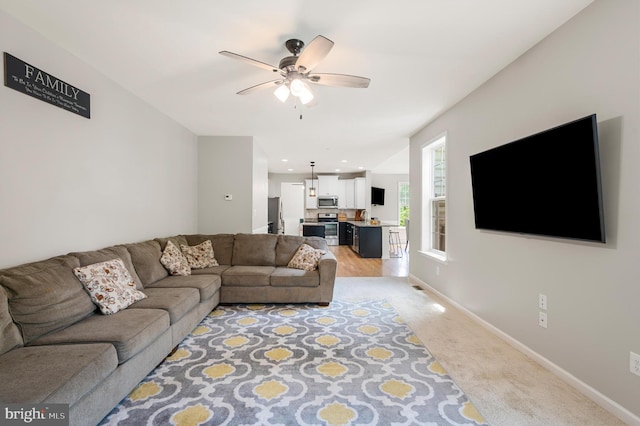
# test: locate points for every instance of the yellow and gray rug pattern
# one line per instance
(346, 364)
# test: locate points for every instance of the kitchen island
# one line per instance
(369, 239)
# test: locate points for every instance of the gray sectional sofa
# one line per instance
(56, 346)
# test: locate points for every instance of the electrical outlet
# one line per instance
(542, 301)
(634, 363)
(542, 319)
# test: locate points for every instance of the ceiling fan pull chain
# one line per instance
(295, 106)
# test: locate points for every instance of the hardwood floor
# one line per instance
(350, 264)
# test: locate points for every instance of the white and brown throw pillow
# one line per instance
(200, 256)
(110, 285)
(306, 258)
(173, 259)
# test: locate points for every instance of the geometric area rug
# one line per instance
(352, 363)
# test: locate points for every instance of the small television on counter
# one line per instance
(545, 184)
(377, 196)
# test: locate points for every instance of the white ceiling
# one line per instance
(422, 56)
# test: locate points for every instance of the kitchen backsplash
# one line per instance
(312, 214)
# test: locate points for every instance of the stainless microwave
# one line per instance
(327, 201)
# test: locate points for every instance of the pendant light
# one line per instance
(312, 189)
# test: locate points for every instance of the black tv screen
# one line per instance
(377, 196)
(545, 184)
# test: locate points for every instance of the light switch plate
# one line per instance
(542, 301)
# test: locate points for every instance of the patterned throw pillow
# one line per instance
(110, 285)
(306, 258)
(175, 262)
(200, 256)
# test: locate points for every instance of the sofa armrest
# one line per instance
(327, 267)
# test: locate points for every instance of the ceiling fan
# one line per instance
(295, 71)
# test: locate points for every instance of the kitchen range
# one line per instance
(326, 227)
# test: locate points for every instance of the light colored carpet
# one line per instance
(508, 388)
(352, 363)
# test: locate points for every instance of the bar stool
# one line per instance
(406, 228)
(395, 246)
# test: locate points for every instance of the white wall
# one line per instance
(69, 183)
(232, 165)
(276, 179)
(260, 184)
(390, 182)
(589, 65)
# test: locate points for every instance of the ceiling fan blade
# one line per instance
(249, 61)
(260, 86)
(341, 80)
(314, 53)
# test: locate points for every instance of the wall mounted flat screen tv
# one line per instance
(545, 184)
(377, 196)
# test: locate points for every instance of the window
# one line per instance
(434, 203)
(403, 202)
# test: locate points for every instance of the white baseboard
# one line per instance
(591, 393)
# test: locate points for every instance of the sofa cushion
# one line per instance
(176, 301)
(199, 256)
(9, 334)
(146, 260)
(286, 248)
(254, 250)
(129, 331)
(177, 240)
(175, 262)
(110, 285)
(222, 245)
(317, 243)
(306, 258)
(45, 296)
(116, 252)
(214, 270)
(247, 276)
(289, 277)
(207, 285)
(56, 373)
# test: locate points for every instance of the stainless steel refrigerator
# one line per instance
(275, 216)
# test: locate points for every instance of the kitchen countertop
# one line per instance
(367, 224)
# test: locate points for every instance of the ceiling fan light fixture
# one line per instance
(282, 93)
(305, 95)
(297, 87)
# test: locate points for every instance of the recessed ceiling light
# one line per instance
(337, 170)
(343, 161)
(361, 167)
(284, 160)
(289, 170)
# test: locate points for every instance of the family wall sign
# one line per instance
(32, 81)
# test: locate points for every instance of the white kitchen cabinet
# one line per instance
(349, 194)
(360, 190)
(310, 202)
(342, 194)
(327, 185)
